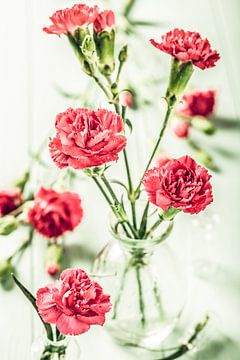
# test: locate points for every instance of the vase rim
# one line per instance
(141, 243)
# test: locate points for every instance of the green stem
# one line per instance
(140, 293)
(117, 203)
(110, 203)
(130, 187)
(153, 227)
(104, 89)
(158, 300)
(110, 189)
(167, 115)
(117, 301)
(128, 7)
(23, 246)
(119, 71)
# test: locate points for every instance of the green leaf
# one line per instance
(167, 232)
(143, 225)
(129, 124)
(32, 300)
(114, 181)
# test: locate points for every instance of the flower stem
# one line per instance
(23, 246)
(167, 115)
(130, 187)
(117, 301)
(110, 203)
(117, 203)
(104, 89)
(140, 293)
(153, 227)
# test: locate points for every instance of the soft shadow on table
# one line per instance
(78, 252)
(222, 348)
(226, 123)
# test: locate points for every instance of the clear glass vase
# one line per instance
(45, 349)
(147, 286)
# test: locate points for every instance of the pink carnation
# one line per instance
(73, 303)
(198, 103)
(68, 20)
(180, 128)
(53, 213)
(104, 21)
(188, 46)
(180, 183)
(87, 138)
(10, 199)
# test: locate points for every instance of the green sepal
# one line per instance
(8, 224)
(169, 214)
(203, 124)
(105, 47)
(76, 46)
(180, 74)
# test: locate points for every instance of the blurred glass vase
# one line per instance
(45, 349)
(147, 287)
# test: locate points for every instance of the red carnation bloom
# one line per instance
(87, 138)
(188, 46)
(104, 21)
(10, 199)
(198, 103)
(180, 183)
(73, 303)
(53, 213)
(68, 20)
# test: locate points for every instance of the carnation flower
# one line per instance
(180, 128)
(188, 46)
(68, 20)
(87, 138)
(104, 21)
(198, 103)
(181, 184)
(10, 199)
(53, 213)
(73, 303)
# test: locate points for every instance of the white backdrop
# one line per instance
(31, 63)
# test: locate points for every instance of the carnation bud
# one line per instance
(105, 46)
(180, 74)
(180, 128)
(6, 268)
(8, 224)
(53, 259)
(122, 57)
(126, 99)
(203, 124)
(22, 181)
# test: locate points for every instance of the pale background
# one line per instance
(31, 63)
